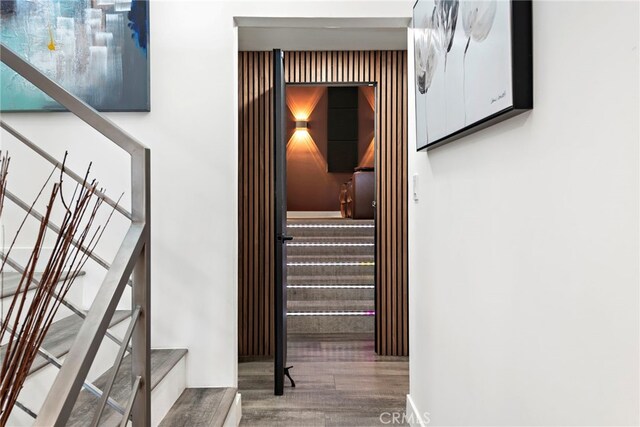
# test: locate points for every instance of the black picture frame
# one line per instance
(521, 76)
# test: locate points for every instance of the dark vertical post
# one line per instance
(280, 218)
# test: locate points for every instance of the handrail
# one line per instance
(26, 410)
(37, 215)
(132, 258)
(72, 103)
(77, 178)
(72, 307)
(132, 399)
(87, 386)
(62, 396)
(115, 368)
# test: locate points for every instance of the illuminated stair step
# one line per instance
(322, 305)
(355, 279)
(332, 313)
(315, 323)
(329, 244)
(330, 264)
(330, 293)
(330, 286)
(330, 226)
(336, 229)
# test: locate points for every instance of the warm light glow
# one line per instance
(369, 94)
(301, 100)
(369, 156)
(301, 146)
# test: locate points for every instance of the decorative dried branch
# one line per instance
(26, 324)
(4, 171)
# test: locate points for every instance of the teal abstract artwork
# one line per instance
(96, 49)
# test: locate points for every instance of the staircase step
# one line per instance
(330, 276)
(340, 268)
(162, 361)
(330, 228)
(365, 279)
(329, 221)
(321, 323)
(330, 258)
(200, 407)
(337, 240)
(295, 306)
(11, 281)
(61, 336)
(329, 292)
(312, 247)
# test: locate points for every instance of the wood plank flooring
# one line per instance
(340, 381)
(200, 407)
(162, 361)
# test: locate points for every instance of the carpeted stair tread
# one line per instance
(366, 279)
(330, 221)
(335, 324)
(324, 258)
(323, 305)
(330, 258)
(329, 294)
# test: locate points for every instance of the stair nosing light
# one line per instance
(332, 313)
(329, 244)
(331, 264)
(330, 226)
(330, 286)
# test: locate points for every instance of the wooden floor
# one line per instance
(340, 381)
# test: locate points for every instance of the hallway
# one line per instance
(340, 381)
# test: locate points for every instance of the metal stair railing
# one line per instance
(131, 259)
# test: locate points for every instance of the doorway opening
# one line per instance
(331, 181)
(348, 377)
(387, 70)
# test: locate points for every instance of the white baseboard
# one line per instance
(413, 416)
(313, 214)
(235, 412)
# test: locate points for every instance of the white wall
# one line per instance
(192, 133)
(524, 243)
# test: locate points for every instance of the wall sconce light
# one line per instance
(302, 125)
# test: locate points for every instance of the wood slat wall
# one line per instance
(388, 70)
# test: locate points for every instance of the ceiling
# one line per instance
(293, 38)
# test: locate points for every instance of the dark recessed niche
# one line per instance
(343, 156)
(342, 129)
(343, 97)
(343, 124)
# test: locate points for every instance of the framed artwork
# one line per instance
(96, 49)
(473, 66)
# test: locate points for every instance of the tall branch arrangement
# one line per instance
(26, 323)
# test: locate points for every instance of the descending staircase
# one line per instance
(162, 364)
(82, 348)
(330, 276)
(168, 375)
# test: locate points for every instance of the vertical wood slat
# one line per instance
(388, 69)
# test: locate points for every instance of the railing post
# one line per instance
(132, 258)
(141, 338)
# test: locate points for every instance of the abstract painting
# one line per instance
(96, 49)
(473, 66)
